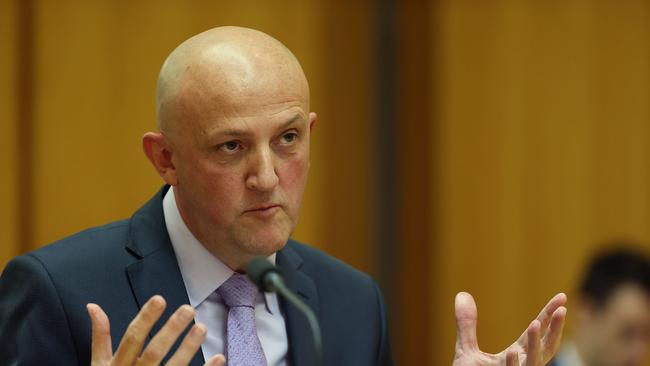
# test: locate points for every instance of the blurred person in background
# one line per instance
(613, 312)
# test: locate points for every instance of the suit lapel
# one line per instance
(156, 272)
(301, 343)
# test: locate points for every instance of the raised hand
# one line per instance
(535, 347)
(130, 351)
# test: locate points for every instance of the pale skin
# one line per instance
(535, 347)
(235, 127)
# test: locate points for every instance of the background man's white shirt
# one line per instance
(202, 274)
(569, 356)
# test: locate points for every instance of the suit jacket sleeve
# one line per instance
(34, 328)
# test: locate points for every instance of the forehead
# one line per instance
(247, 125)
(629, 301)
(247, 114)
(221, 89)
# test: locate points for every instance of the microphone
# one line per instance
(269, 279)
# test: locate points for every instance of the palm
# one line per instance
(535, 347)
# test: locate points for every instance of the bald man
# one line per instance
(233, 150)
(165, 286)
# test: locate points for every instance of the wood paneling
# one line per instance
(413, 303)
(8, 130)
(523, 137)
(540, 151)
(95, 66)
(89, 95)
(347, 133)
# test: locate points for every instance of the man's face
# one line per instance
(241, 166)
(620, 329)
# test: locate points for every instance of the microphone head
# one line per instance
(257, 270)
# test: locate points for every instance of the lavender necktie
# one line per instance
(243, 347)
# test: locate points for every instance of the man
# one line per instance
(613, 312)
(233, 150)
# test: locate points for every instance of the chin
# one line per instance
(257, 250)
(265, 244)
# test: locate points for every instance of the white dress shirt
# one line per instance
(202, 274)
(569, 356)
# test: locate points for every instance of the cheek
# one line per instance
(220, 191)
(293, 177)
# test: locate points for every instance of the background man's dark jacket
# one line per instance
(43, 295)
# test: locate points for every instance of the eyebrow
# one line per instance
(239, 133)
(290, 122)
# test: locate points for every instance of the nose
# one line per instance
(262, 174)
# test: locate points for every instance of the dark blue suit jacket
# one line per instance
(43, 294)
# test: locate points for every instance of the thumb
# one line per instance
(466, 316)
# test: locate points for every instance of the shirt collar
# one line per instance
(202, 272)
(569, 355)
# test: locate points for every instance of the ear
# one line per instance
(312, 120)
(159, 152)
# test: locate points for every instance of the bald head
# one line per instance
(222, 67)
(233, 109)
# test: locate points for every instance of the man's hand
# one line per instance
(130, 353)
(536, 346)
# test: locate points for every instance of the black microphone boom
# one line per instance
(269, 278)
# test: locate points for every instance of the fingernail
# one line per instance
(199, 329)
(157, 302)
(186, 312)
(218, 360)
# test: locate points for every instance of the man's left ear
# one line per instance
(312, 120)
(157, 149)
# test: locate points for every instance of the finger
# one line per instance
(533, 350)
(135, 335)
(512, 358)
(466, 317)
(102, 351)
(544, 316)
(552, 339)
(190, 346)
(216, 360)
(163, 341)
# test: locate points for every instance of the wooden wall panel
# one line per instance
(96, 66)
(540, 151)
(533, 117)
(347, 133)
(413, 302)
(90, 89)
(8, 129)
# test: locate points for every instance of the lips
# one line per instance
(263, 207)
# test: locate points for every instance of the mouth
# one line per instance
(264, 210)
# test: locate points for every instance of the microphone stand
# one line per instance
(267, 276)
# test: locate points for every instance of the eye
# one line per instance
(289, 137)
(230, 146)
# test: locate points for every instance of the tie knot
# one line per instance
(238, 290)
